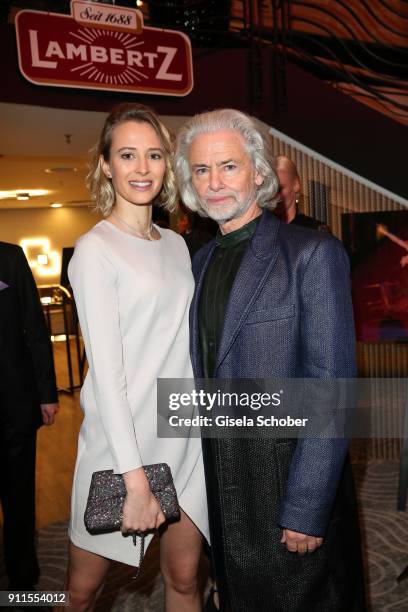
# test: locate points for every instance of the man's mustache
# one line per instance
(215, 194)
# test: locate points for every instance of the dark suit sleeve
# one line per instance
(328, 352)
(36, 332)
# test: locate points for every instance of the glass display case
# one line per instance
(62, 321)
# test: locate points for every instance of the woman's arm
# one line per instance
(93, 278)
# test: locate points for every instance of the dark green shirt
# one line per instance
(218, 281)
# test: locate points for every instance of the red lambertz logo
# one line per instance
(103, 47)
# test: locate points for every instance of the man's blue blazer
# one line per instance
(289, 315)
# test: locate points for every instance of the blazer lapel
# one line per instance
(195, 350)
(257, 262)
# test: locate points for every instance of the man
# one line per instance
(287, 209)
(271, 300)
(28, 398)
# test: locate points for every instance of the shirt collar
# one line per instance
(233, 238)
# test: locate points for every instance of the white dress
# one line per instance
(133, 298)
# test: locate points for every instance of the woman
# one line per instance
(133, 285)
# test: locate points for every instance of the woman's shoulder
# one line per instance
(93, 253)
(174, 239)
(97, 235)
(171, 236)
(95, 243)
(167, 232)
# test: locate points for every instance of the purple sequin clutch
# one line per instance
(107, 493)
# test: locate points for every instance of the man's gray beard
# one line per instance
(234, 213)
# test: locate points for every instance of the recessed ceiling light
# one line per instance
(60, 169)
(31, 193)
(23, 195)
(56, 205)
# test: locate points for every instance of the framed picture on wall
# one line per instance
(377, 243)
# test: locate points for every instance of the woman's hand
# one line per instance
(141, 510)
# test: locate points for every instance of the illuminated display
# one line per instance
(40, 257)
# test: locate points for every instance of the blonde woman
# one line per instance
(132, 283)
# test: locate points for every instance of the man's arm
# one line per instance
(328, 352)
(37, 340)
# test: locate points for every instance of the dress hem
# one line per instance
(78, 541)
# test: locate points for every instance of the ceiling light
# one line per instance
(42, 259)
(60, 169)
(53, 268)
(23, 195)
(139, 3)
(56, 205)
(31, 193)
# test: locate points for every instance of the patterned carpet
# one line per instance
(121, 592)
(385, 535)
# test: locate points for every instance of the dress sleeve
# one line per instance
(94, 281)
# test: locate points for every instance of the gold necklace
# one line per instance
(147, 236)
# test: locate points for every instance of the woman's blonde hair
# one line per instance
(100, 187)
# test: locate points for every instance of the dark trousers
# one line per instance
(245, 482)
(17, 495)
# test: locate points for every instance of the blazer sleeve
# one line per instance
(36, 332)
(93, 278)
(328, 352)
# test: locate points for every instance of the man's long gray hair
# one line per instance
(257, 143)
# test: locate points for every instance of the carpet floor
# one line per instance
(385, 542)
(384, 533)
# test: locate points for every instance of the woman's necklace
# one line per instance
(147, 236)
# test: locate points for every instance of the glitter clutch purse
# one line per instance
(107, 494)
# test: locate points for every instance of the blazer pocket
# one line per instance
(271, 314)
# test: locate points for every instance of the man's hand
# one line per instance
(48, 413)
(300, 542)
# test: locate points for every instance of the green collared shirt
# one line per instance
(218, 281)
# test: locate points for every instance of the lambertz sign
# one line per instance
(101, 46)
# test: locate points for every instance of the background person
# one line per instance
(196, 230)
(287, 207)
(132, 283)
(28, 399)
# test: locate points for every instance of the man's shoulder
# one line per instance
(7, 248)
(302, 246)
(305, 235)
(298, 244)
(310, 222)
(11, 255)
